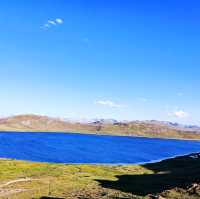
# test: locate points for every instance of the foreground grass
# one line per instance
(35, 180)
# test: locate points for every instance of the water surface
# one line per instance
(84, 148)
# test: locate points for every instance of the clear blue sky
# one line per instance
(123, 59)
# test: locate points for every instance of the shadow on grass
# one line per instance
(179, 172)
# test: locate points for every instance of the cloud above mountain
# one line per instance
(179, 114)
(109, 103)
(54, 22)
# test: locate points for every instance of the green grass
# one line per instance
(100, 181)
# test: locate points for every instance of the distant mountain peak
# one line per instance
(149, 128)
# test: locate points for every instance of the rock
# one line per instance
(193, 189)
(150, 196)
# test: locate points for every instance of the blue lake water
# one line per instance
(83, 148)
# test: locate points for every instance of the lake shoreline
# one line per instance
(110, 164)
(74, 149)
(100, 134)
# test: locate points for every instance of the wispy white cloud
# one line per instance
(109, 103)
(59, 21)
(46, 25)
(179, 114)
(51, 23)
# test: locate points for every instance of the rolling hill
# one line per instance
(152, 128)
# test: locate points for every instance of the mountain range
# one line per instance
(150, 128)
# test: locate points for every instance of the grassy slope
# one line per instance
(95, 181)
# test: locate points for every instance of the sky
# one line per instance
(122, 59)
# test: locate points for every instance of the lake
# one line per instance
(84, 148)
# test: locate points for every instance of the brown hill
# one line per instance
(38, 123)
